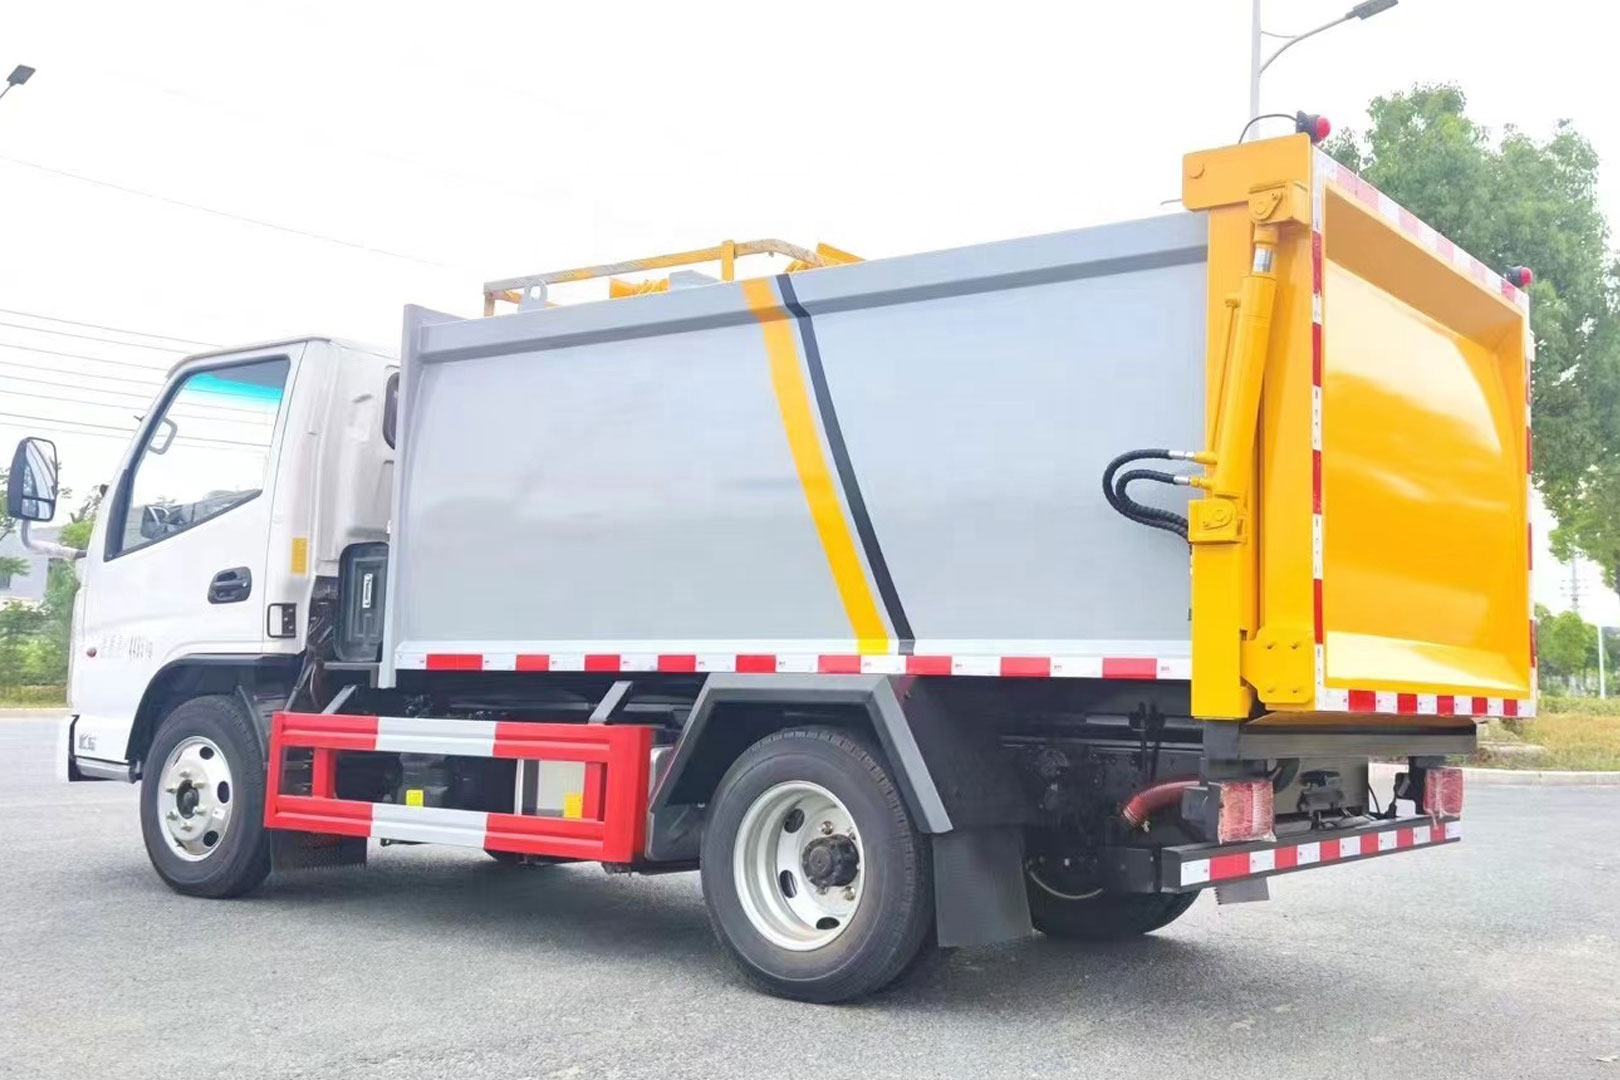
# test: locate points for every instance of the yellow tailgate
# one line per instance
(1380, 559)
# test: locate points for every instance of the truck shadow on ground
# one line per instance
(583, 914)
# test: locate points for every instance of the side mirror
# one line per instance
(31, 489)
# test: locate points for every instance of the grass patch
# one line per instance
(1577, 740)
(33, 697)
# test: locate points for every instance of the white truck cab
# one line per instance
(220, 535)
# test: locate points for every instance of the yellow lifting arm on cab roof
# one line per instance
(726, 253)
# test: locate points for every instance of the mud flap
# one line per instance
(979, 896)
(291, 850)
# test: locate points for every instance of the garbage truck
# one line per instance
(919, 602)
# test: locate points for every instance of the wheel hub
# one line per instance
(797, 865)
(194, 798)
(831, 861)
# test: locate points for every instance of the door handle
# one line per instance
(230, 586)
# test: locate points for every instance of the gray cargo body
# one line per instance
(725, 478)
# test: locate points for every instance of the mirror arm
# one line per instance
(46, 547)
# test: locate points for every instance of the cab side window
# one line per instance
(207, 452)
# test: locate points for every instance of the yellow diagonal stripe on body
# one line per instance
(820, 489)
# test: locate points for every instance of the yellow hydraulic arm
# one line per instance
(1257, 196)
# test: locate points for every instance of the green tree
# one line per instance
(1512, 200)
(10, 565)
(1566, 645)
(19, 628)
(61, 587)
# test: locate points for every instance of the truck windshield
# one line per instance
(206, 453)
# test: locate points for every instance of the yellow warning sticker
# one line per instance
(300, 555)
(574, 804)
(413, 796)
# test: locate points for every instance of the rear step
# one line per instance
(611, 827)
(1195, 866)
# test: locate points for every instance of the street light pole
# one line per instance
(1257, 67)
(19, 75)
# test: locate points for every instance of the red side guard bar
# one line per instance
(611, 827)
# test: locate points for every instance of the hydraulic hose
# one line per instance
(1114, 485)
(1151, 516)
(1153, 798)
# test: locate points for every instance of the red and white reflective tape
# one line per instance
(1241, 864)
(1330, 171)
(1359, 700)
(1054, 663)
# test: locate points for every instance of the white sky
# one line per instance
(469, 142)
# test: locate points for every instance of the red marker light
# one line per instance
(1317, 127)
(1521, 276)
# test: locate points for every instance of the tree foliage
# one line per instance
(1566, 645)
(1512, 200)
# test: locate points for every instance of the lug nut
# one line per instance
(170, 790)
(849, 894)
(826, 828)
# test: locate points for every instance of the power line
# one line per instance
(87, 374)
(142, 399)
(159, 371)
(90, 337)
(113, 329)
(222, 213)
(184, 412)
(75, 386)
(67, 427)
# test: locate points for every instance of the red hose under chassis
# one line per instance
(1153, 798)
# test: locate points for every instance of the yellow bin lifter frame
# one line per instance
(1398, 599)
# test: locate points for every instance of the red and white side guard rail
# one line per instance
(1194, 866)
(612, 822)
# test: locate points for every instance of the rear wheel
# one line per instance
(202, 800)
(817, 883)
(1064, 905)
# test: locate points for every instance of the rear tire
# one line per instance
(809, 805)
(1102, 916)
(206, 836)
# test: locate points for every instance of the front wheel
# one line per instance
(817, 883)
(202, 800)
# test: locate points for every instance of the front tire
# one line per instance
(817, 884)
(202, 800)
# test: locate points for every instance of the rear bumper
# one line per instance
(1187, 867)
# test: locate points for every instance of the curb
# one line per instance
(1516, 777)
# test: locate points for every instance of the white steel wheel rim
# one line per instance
(195, 798)
(768, 864)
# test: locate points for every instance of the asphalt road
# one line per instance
(1498, 957)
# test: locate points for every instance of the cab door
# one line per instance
(177, 566)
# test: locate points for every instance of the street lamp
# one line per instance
(19, 75)
(1364, 10)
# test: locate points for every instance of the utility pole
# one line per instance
(1602, 690)
(1575, 584)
